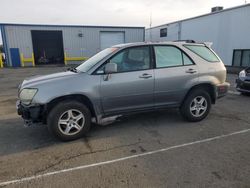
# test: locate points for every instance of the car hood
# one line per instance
(34, 80)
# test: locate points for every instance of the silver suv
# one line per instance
(124, 79)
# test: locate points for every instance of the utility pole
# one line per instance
(150, 26)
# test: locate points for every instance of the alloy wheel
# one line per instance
(198, 106)
(71, 122)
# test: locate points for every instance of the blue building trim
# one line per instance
(5, 45)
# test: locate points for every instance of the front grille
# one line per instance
(247, 78)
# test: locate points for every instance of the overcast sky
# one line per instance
(106, 12)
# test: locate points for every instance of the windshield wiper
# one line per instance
(72, 69)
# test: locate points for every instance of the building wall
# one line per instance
(18, 36)
(228, 30)
(154, 33)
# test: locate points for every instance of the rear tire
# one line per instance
(245, 93)
(196, 106)
(69, 120)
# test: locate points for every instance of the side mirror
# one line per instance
(110, 68)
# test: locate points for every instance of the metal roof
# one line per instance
(51, 25)
(203, 15)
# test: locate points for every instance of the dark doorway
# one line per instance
(48, 47)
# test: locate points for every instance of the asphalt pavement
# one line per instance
(156, 149)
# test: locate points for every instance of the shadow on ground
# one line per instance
(15, 138)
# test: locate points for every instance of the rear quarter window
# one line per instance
(204, 52)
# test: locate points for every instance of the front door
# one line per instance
(132, 87)
(174, 74)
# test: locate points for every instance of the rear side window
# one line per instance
(186, 60)
(170, 56)
(204, 52)
(167, 56)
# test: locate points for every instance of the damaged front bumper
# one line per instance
(31, 114)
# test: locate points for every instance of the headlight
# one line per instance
(26, 95)
(242, 74)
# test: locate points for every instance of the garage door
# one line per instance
(108, 39)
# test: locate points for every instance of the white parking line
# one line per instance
(20, 180)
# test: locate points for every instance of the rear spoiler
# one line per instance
(208, 44)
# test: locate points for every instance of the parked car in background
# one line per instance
(243, 81)
(124, 79)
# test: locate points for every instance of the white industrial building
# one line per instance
(228, 30)
(27, 45)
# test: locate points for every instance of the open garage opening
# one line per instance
(48, 47)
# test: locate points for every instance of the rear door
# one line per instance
(174, 73)
(132, 87)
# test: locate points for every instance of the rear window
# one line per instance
(204, 52)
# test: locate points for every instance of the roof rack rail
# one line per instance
(187, 41)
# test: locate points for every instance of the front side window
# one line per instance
(169, 56)
(132, 59)
(204, 52)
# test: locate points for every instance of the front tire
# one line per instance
(196, 106)
(69, 120)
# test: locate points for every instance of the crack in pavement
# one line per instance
(91, 151)
(87, 144)
(231, 117)
(86, 153)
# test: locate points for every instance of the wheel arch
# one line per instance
(210, 88)
(76, 97)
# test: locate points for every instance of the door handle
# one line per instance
(191, 71)
(145, 76)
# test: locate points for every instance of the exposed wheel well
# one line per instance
(76, 97)
(206, 86)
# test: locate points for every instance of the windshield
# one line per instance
(86, 65)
